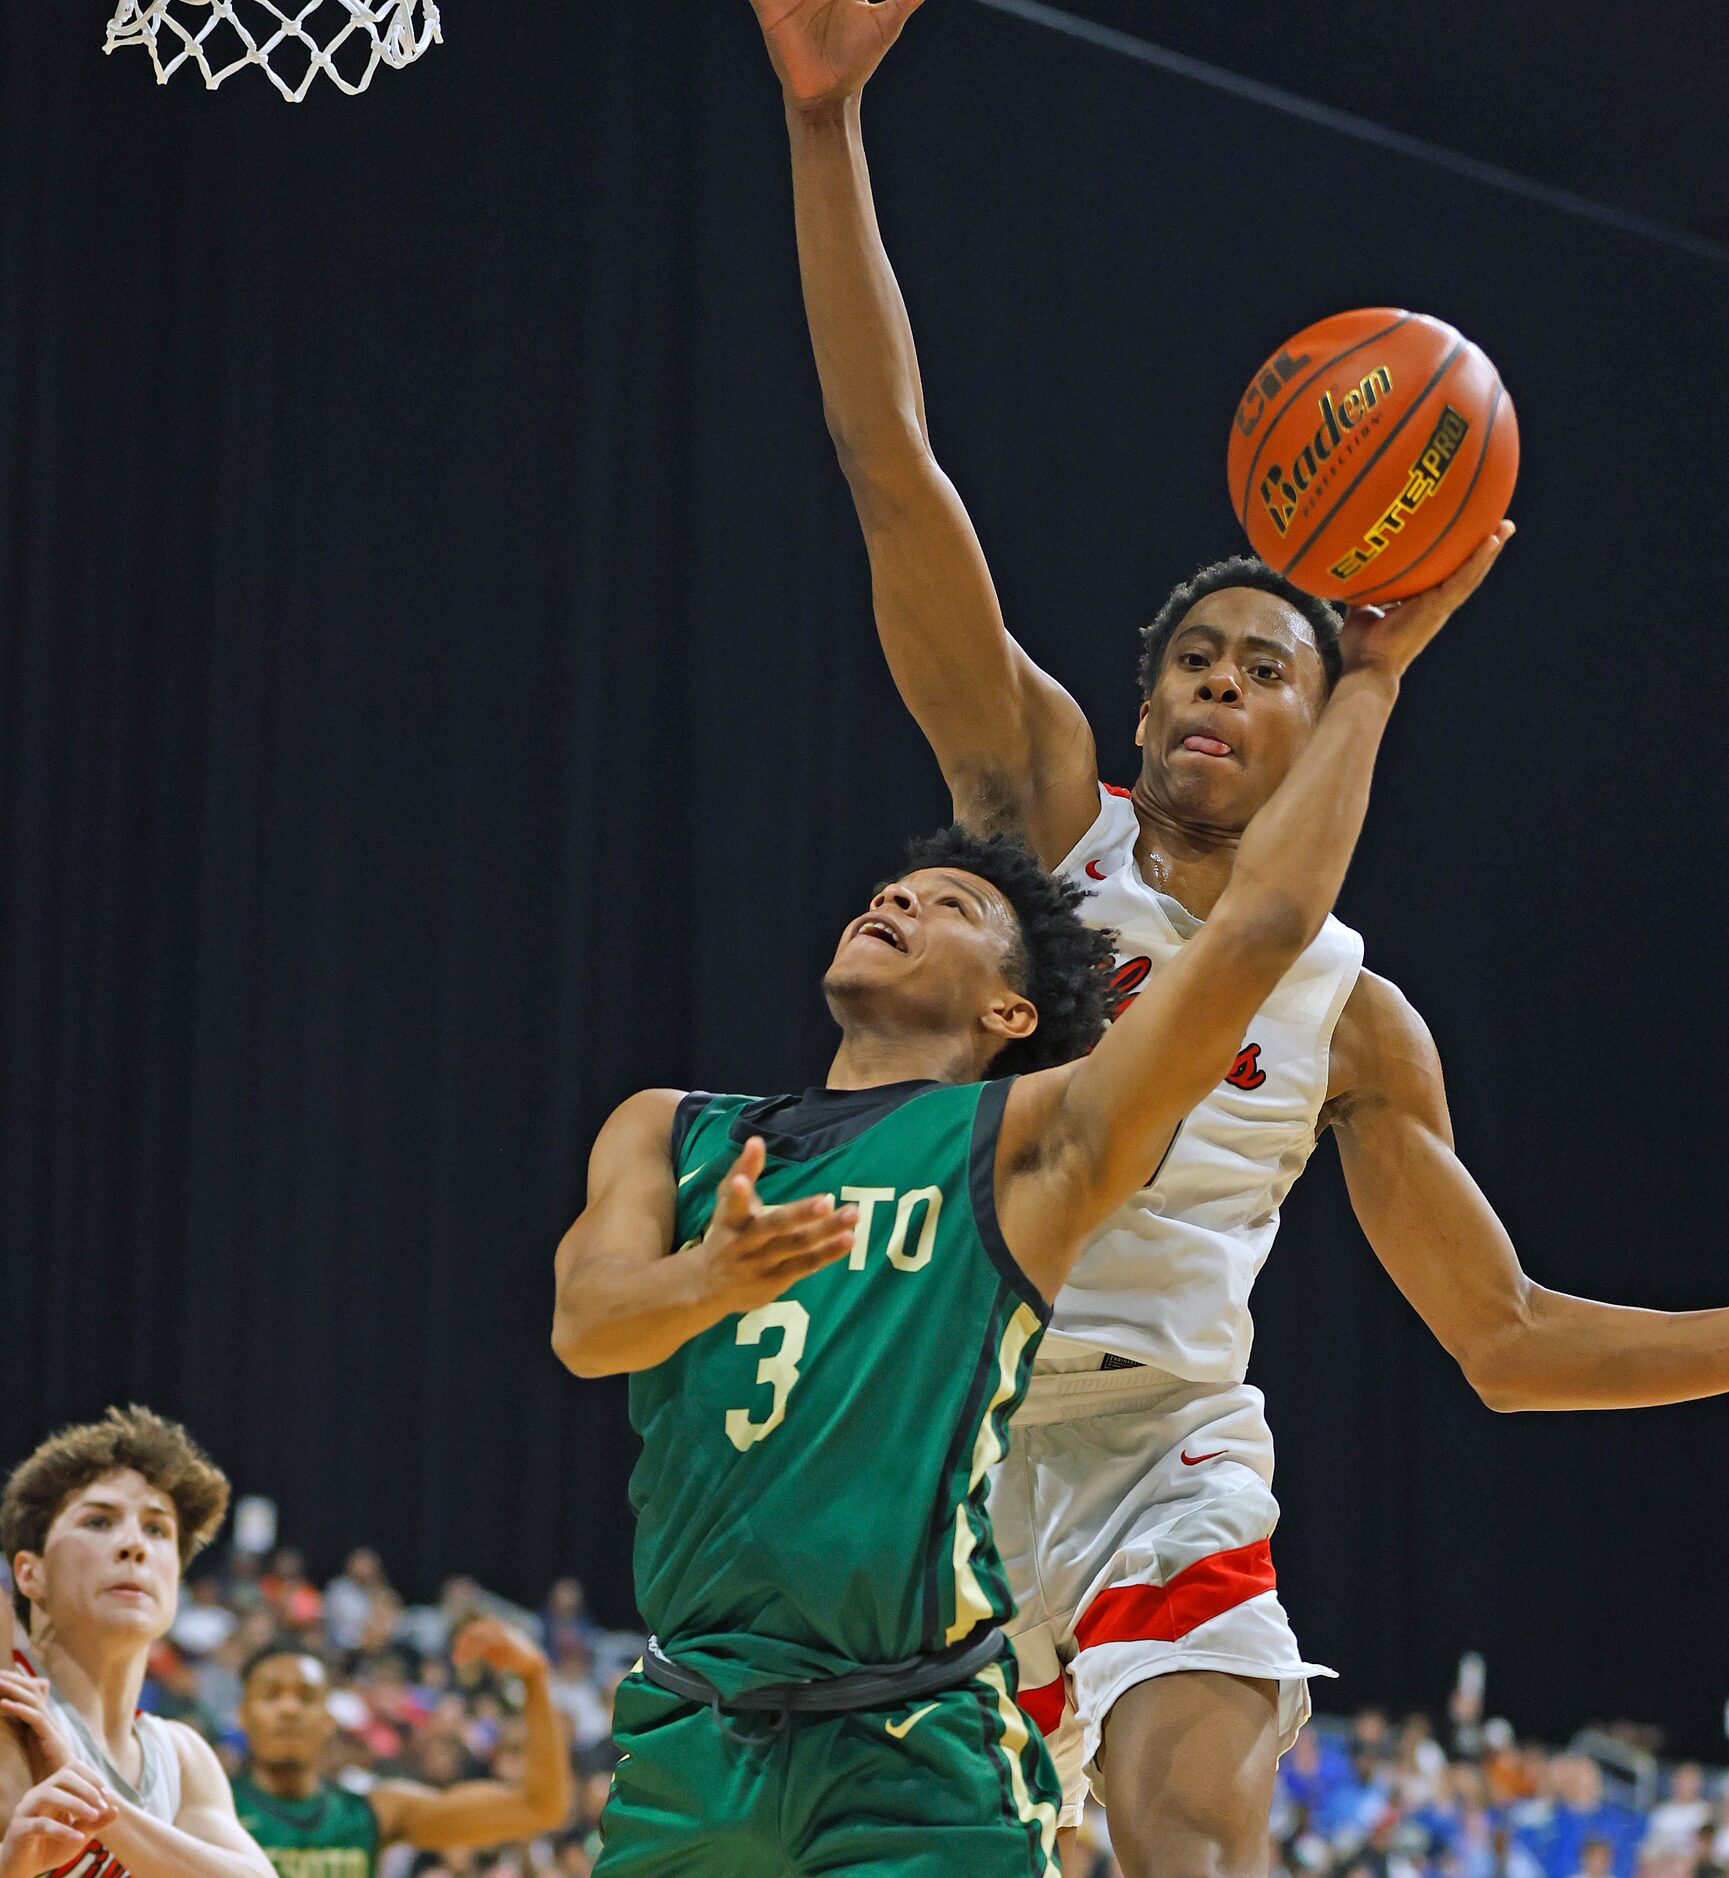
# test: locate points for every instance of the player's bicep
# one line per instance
(207, 1802)
(632, 1201)
(1427, 1220)
(1014, 747)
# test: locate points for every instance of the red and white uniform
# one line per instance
(156, 1791)
(1135, 1506)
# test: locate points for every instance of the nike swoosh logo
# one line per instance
(900, 1730)
(1194, 1460)
(688, 1178)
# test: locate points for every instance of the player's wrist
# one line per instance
(821, 120)
(705, 1282)
(1372, 681)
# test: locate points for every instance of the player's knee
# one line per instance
(1161, 1842)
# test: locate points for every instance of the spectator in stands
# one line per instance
(1558, 1830)
(1676, 1822)
(1596, 1859)
(351, 1597)
(289, 1593)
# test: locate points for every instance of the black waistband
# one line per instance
(883, 1685)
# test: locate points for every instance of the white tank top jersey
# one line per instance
(156, 1791)
(1167, 1280)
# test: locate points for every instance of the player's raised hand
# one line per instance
(1389, 638)
(54, 1822)
(825, 50)
(752, 1253)
(499, 1646)
(24, 1700)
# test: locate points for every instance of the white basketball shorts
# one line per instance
(1134, 1513)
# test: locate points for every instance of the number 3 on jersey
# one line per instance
(779, 1371)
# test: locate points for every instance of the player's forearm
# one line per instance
(149, 1848)
(615, 1316)
(548, 1789)
(859, 328)
(1562, 1352)
(1295, 853)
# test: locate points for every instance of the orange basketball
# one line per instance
(1372, 454)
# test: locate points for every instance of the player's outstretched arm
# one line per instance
(1014, 747)
(490, 1812)
(1520, 1345)
(626, 1299)
(1080, 1140)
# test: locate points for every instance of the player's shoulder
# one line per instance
(1380, 1043)
(645, 1119)
(201, 1773)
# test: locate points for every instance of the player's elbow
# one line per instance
(1500, 1385)
(1498, 1393)
(1497, 1361)
(888, 468)
(575, 1346)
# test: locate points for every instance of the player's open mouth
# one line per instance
(880, 929)
(1207, 746)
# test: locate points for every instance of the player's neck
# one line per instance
(868, 1059)
(286, 1780)
(100, 1678)
(1188, 859)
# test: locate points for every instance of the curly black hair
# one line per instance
(1059, 962)
(1240, 570)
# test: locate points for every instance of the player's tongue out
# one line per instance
(1206, 746)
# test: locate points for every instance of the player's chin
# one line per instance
(860, 969)
(1218, 789)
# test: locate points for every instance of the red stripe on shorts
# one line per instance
(1045, 1704)
(1165, 1613)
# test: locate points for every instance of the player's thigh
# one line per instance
(955, 1787)
(688, 1800)
(1187, 1764)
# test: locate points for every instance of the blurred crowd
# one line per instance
(404, 1712)
(1355, 1799)
(1367, 1800)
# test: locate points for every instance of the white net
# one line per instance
(346, 40)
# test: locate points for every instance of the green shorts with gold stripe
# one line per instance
(953, 1784)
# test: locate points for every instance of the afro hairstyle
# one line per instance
(1058, 962)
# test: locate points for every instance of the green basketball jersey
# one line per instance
(811, 1493)
(332, 1835)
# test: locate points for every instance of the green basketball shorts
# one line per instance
(953, 1784)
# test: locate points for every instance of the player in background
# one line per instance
(311, 1828)
(822, 1390)
(99, 1525)
(1135, 1509)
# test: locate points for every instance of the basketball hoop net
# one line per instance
(353, 39)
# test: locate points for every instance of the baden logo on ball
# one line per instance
(1371, 454)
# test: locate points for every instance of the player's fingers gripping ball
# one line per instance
(1372, 454)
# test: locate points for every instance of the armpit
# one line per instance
(992, 802)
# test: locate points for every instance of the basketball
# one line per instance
(1371, 455)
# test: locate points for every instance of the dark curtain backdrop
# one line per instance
(437, 697)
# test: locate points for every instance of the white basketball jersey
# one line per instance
(1167, 1280)
(156, 1792)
